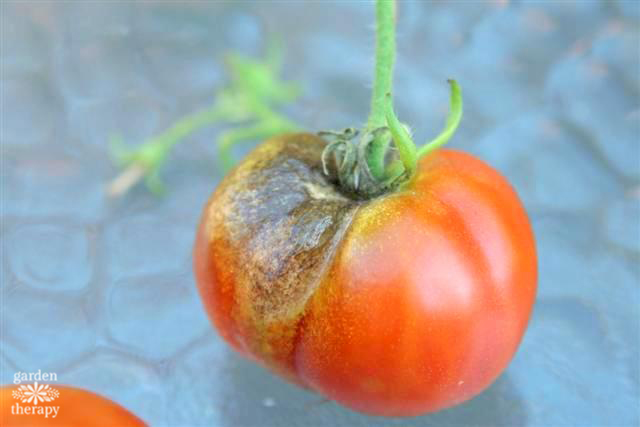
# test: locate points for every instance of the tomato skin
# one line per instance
(421, 306)
(78, 407)
(429, 295)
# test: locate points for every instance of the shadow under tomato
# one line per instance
(499, 405)
(255, 397)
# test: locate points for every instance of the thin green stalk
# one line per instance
(385, 58)
(259, 130)
(152, 153)
(189, 124)
(453, 120)
(401, 138)
(145, 160)
(383, 81)
(250, 100)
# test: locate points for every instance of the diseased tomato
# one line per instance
(406, 303)
(76, 407)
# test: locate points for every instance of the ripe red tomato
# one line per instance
(76, 407)
(404, 304)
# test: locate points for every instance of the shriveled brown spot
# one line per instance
(282, 220)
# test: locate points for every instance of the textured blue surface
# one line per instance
(101, 291)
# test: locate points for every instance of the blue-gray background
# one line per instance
(101, 291)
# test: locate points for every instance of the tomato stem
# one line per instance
(383, 82)
(369, 167)
(453, 120)
(401, 138)
(385, 58)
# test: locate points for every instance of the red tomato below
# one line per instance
(75, 408)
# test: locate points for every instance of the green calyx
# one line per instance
(385, 155)
(351, 170)
(352, 157)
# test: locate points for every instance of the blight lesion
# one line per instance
(281, 219)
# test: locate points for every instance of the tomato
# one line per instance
(76, 407)
(404, 304)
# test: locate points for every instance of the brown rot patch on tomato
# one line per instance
(280, 220)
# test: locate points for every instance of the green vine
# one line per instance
(368, 163)
(250, 100)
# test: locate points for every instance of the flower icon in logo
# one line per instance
(35, 393)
